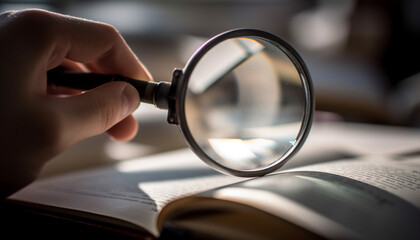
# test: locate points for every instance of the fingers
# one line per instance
(38, 126)
(97, 44)
(84, 45)
(97, 111)
(46, 39)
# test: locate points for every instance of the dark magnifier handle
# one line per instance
(150, 92)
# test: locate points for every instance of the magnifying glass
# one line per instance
(244, 101)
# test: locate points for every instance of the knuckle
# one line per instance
(106, 117)
(32, 17)
(7, 15)
(110, 30)
(32, 22)
(107, 113)
(113, 38)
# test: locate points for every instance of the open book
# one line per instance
(369, 196)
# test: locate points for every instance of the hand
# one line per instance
(38, 122)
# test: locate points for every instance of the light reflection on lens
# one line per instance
(235, 52)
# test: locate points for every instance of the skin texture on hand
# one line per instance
(39, 122)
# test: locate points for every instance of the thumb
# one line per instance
(96, 111)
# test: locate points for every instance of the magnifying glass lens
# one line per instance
(245, 103)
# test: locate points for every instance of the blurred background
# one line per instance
(362, 56)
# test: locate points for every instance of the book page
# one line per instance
(349, 199)
(397, 177)
(132, 190)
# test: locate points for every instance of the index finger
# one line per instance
(85, 41)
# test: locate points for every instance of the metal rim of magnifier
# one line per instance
(306, 82)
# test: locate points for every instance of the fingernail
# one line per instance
(131, 100)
